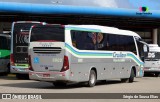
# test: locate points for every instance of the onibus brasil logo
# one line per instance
(143, 11)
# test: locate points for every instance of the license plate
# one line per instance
(46, 75)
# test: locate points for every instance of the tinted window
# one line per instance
(4, 43)
(21, 33)
(140, 49)
(50, 32)
(101, 41)
(83, 40)
(121, 43)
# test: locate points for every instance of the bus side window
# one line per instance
(73, 38)
(131, 44)
(102, 40)
(3, 43)
(112, 41)
(81, 40)
(90, 41)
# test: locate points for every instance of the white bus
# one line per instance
(19, 48)
(84, 53)
(4, 54)
(152, 60)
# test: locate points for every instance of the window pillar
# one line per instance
(155, 36)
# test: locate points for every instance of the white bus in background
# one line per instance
(4, 54)
(84, 53)
(152, 60)
(19, 48)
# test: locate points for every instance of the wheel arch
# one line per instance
(134, 69)
(93, 68)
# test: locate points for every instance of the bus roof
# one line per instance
(27, 22)
(102, 29)
(153, 45)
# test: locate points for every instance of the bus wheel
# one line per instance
(157, 74)
(59, 84)
(18, 76)
(130, 79)
(8, 68)
(126, 80)
(92, 79)
(22, 76)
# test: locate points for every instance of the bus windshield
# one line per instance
(21, 33)
(47, 32)
(152, 56)
(20, 37)
(4, 43)
(4, 46)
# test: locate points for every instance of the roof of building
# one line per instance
(132, 19)
(13, 7)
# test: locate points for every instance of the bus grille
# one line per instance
(47, 50)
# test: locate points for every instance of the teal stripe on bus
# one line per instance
(100, 54)
(87, 53)
(83, 29)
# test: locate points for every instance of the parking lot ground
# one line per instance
(148, 84)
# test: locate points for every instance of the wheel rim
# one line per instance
(92, 80)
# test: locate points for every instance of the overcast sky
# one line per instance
(129, 4)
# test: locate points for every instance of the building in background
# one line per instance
(141, 16)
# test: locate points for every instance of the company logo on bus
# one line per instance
(36, 60)
(119, 55)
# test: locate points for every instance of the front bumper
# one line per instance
(149, 69)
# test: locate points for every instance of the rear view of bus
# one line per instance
(19, 48)
(152, 60)
(47, 55)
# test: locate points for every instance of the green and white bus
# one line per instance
(4, 53)
(84, 53)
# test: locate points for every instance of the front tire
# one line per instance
(8, 68)
(157, 74)
(131, 78)
(92, 79)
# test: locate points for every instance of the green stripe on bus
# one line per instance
(83, 29)
(22, 65)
